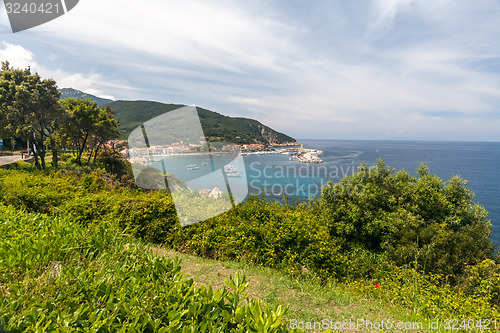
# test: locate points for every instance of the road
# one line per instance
(9, 159)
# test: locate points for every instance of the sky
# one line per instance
(323, 69)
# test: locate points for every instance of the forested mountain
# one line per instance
(131, 114)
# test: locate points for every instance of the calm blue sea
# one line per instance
(274, 175)
(477, 162)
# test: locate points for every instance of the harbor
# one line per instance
(146, 155)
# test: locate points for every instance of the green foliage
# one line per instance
(483, 281)
(30, 110)
(86, 209)
(387, 225)
(87, 126)
(19, 165)
(266, 234)
(56, 275)
(114, 164)
(149, 216)
(407, 217)
(35, 192)
(425, 294)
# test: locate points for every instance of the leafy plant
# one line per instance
(403, 216)
(56, 275)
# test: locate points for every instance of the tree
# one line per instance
(9, 79)
(408, 218)
(29, 108)
(87, 126)
(105, 129)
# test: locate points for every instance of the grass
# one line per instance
(308, 300)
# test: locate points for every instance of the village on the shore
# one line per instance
(294, 150)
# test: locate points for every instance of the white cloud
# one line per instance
(93, 83)
(218, 34)
(16, 55)
(386, 11)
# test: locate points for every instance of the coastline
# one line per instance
(295, 149)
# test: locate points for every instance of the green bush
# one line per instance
(405, 217)
(19, 165)
(113, 163)
(89, 208)
(482, 281)
(426, 295)
(56, 275)
(149, 216)
(36, 192)
(266, 234)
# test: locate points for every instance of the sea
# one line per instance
(280, 177)
(476, 162)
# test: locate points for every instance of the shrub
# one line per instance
(483, 281)
(366, 227)
(267, 234)
(406, 217)
(56, 275)
(36, 192)
(113, 163)
(149, 216)
(425, 294)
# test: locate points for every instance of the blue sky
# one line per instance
(384, 69)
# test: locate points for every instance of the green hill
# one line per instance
(131, 114)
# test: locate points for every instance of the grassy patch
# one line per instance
(307, 298)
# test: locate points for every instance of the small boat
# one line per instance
(233, 174)
(192, 167)
(204, 164)
(230, 168)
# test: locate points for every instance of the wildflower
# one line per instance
(377, 285)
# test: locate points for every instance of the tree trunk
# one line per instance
(90, 157)
(41, 154)
(55, 157)
(35, 155)
(96, 151)
(81, 149)
(42, 159)
(42, 151)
